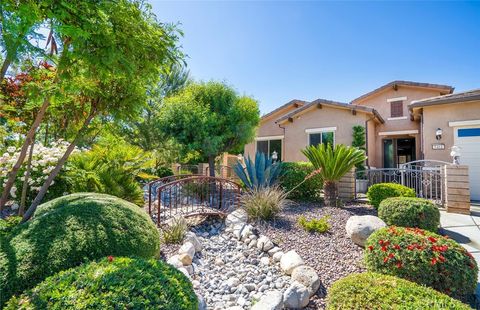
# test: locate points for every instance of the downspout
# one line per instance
(283, 142)
(422, 140)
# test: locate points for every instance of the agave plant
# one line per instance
(260, 174)
(333, 164)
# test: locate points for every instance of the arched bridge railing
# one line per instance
(192, 195)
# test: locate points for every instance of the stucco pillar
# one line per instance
(457, 189)
(346, 186)
(203, 168)
(175, 168)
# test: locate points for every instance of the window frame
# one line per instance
(268, 140)
(397, 107)
(320, 131)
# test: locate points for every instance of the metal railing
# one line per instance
(192, 195)
(424, 176)
(222, 171)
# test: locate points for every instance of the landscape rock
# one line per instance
(296, 296)
(277, 256)
(175, 261)
(272, 300)
(290, 261)
(359, 228)
(187, 248)
(238, 216)
(308, 277)
(191, 237)
(264, 244)
(185, 258)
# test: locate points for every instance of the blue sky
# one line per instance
(278, 51)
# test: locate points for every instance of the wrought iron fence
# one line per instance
(425, 177)
(192, 195)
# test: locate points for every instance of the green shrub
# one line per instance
(295, 173)
(410, 212)
(175, 230)
(7, 224)
(378, 192)
(70, 230)
(376, 291)
(163, 171)
(320, 225)
(112, 283)
(422, 257)
(264, 203)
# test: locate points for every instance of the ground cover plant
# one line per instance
(70, 230)
(381, 191)
(263, 204)
(422, 257)
(112, 283)
(376, 291)
(410, 212)
(320, 225)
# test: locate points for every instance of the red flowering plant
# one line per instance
(423, 257)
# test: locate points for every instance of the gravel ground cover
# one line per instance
(332, 254)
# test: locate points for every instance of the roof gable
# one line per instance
(395, 84)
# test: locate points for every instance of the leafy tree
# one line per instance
(117, 50)
(333, 163)
(145, 131)
(19, 21)
(210, 118)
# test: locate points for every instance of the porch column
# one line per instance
(457, 189)
(346, 186)
(203, 169)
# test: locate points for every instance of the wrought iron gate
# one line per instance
(426, 177)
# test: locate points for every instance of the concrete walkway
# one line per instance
(465, 229)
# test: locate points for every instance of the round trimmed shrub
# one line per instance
(70, 230)
(381, 191)
(422, 257)
(410, 212)
(295, 173)
(112, 283)
(376, 291)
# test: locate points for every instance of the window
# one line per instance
(269, 146)
(396, 108)
(468, 132)
(326, 137)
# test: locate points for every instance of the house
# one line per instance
(404, 121)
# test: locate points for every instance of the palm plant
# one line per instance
(333, 163)
(262, 173)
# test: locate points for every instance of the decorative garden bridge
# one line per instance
(191, 195)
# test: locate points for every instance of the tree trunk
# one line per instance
(23, 152)
(5, 65)
(43, 190)
(330, 193)
(211, 165)
(23, 199)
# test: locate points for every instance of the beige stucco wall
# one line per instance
(295, 137)
(438, 117)
(380, 103)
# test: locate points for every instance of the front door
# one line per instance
(398, 151)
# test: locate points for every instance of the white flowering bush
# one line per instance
(44, 160)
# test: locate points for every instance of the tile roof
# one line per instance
(286, 105)
(334, 104)
(470, 95)
(447, 88)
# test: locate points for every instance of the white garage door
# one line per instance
(468, 139)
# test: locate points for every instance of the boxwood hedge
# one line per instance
(376, 291)
(381, 191)
(112, 283)
(410, 212)
(69, 231)
(422, 257)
